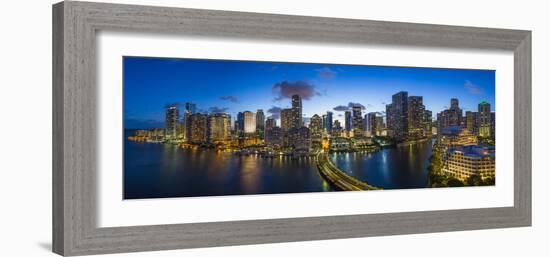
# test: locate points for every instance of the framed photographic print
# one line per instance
(183, 128)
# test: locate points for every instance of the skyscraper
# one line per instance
(171, 122)
(372, 123)
(471, 122)
(219, 127)
(348, 121)
(389, 116)
(260, 123)
(239, 124)
(198, 124)
(399, 121)
(328, 122)
(316, 130)
(357, 121)
(190, 108)
(484, 119)
(286, 119)
(249, 122)
(451, 117)
(416, 116)
(296, 117)
(270, 123)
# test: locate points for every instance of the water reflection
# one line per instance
(161, 170)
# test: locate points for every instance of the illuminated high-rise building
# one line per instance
(316, 130)
(416, 116)
(239, 124)
(348, 121)
(171, 122)
(260, 123)
(372, 123)
(219, 127)
(249, 122)
(471, 122)
(198, 124)
(389, 117)
(357, 122)
(296, 116)
(299, 138)
(190, 108)
(328, 122)
(484, 119)
(399, 120)
(286, 119)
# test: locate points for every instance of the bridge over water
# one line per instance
(337, 177)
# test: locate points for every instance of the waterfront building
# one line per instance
(348, 121)
(239, 124)
(249, 122)
(274, 137)
(260, 123)
(464, 161)
(399, 115)
(219, 128)
(456, 136)
(316, 130)
(389, 113)
(299, 138)
(286, 119)
(416, 117)
(270, 123)
(198, 124)
(357, 120)
(380, 127)
(372, 123)
(296, 111)
(340, 144)
(171, 122)
(328, 122)
(189, 108)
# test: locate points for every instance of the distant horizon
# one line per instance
(151, 83)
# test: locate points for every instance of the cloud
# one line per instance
(326, 73)
(343, 108)
(369, 105)
(275, 112)
(229, 98)
(216, 109)
(286, 89)
(473, 88)
(351, 104)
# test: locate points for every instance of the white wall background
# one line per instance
(25, 111)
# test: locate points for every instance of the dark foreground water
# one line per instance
(160, 170)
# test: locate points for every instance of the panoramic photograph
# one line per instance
(204, 127)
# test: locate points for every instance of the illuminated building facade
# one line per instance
(357, 120)
(171, 122)
(465, 161)
(249, 120)
(219, 128)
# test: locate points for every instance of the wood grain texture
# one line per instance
(75, 25)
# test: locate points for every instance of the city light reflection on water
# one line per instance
(161, 170)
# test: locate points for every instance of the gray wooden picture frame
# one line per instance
(75, 25)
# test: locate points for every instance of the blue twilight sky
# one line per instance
(150, 84)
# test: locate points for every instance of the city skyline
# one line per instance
(150, 84)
